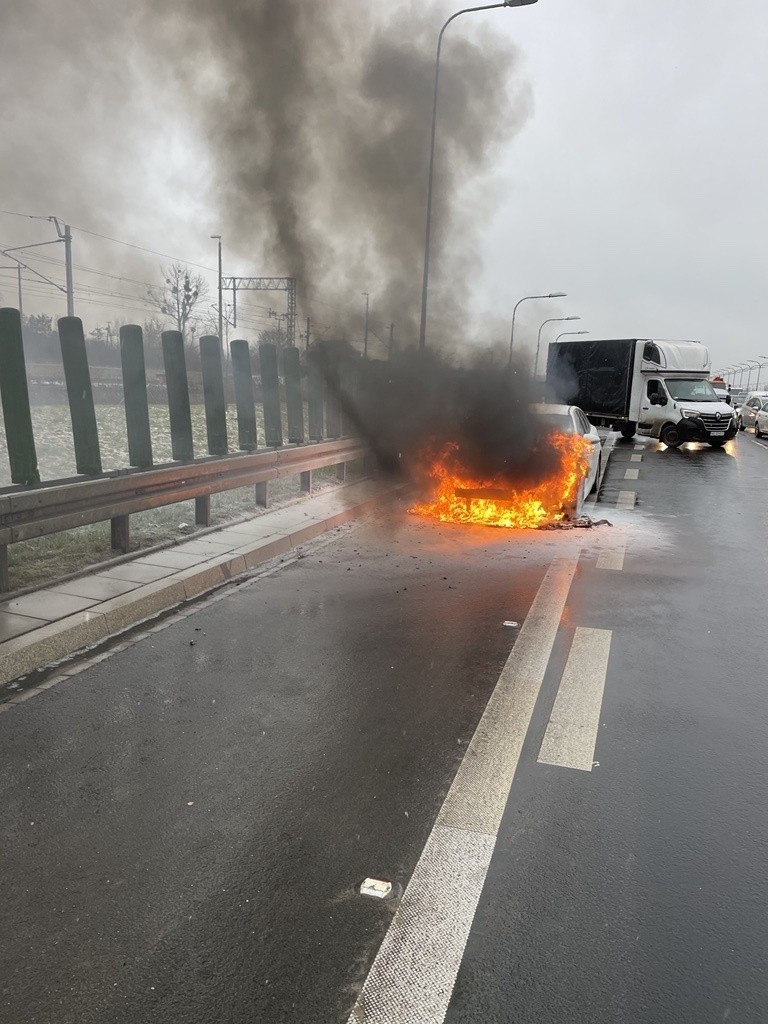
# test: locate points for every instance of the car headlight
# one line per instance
(690, 414)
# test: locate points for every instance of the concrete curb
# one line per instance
(61, 639)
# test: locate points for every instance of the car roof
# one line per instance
(544, 409)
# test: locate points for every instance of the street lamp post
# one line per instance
(763, 362)
(752, 364)
(425, 281)
(525, 298)
(365, 337)
(552, 320)
(564, 333)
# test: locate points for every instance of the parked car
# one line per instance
(569, 419)
(761, 420)
(722, 393)
(749, 408)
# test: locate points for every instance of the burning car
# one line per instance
(569, 447)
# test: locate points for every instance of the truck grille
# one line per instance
(712, 423)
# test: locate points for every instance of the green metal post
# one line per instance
(78, 378)
(293, 398)
(178, 396)
(270, 395)
(243, 378)
(135, 396)
(315, 397)
(15, 397)
(213, 395)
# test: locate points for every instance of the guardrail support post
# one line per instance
(121, 533)
(213, 395)
(262, 496)
(78, 378)
(15, 397)
(270, 396)
(293, 399)
(135, 397)
(5, 581)
(341, 472)
(243, 379)
(306, 482)
(178, 396)
(315, 397)
(203, 510)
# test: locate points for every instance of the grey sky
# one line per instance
(636, 183)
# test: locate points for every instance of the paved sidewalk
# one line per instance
(43, 627)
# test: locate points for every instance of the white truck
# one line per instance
(656, 388)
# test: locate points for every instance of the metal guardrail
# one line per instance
(26, 513)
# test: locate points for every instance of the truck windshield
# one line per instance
(684, 390)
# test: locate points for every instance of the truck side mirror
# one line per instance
(654, 399)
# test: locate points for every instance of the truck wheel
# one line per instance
(628, 430)
(671, 435)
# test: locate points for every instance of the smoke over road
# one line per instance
(315, 118)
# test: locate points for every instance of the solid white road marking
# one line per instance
(414, 972)
(612, 558)
(635, 458)
(632, 474)
(571, 735)
(626, 500)
(759, 444)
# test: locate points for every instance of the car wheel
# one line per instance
(671, 435)
(741, 424)
(757, 429)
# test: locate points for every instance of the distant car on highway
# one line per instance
(722, 393)
(761, 420)
(569, 419)
(750, 407)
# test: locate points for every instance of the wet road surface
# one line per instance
(185, 824)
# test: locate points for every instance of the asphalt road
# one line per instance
(184, 825)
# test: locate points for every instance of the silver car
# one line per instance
(761, 420)
(750, 407)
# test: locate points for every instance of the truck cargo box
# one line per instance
(594, 375)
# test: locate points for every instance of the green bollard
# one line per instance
(293, 400)
(15, 397)
(178, 396)
(135, 396)
(213, 395)
(243, 378)
(84, 431)
(270, 395)
(315, 397)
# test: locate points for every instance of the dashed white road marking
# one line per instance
(612, 558)
(626, 500)
(414, 972)
(639, 447)
(571, 735)
(631, 474)
(635, 458)
(759, 443)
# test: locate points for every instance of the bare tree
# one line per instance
(179, 295)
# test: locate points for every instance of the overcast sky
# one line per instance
(634, 180)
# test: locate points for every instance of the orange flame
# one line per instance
(455, 497)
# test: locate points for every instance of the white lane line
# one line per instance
(571, 735)
(635, 458)
(759, 444)
(631, 474)
(412, 977)
(612, 558)
(626, 500)
(639, 447)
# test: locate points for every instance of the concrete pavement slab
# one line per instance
(138, 572)
(172, 559)
(98, 588)
(14, 625)
(47, 605)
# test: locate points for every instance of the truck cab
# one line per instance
(677, 408)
